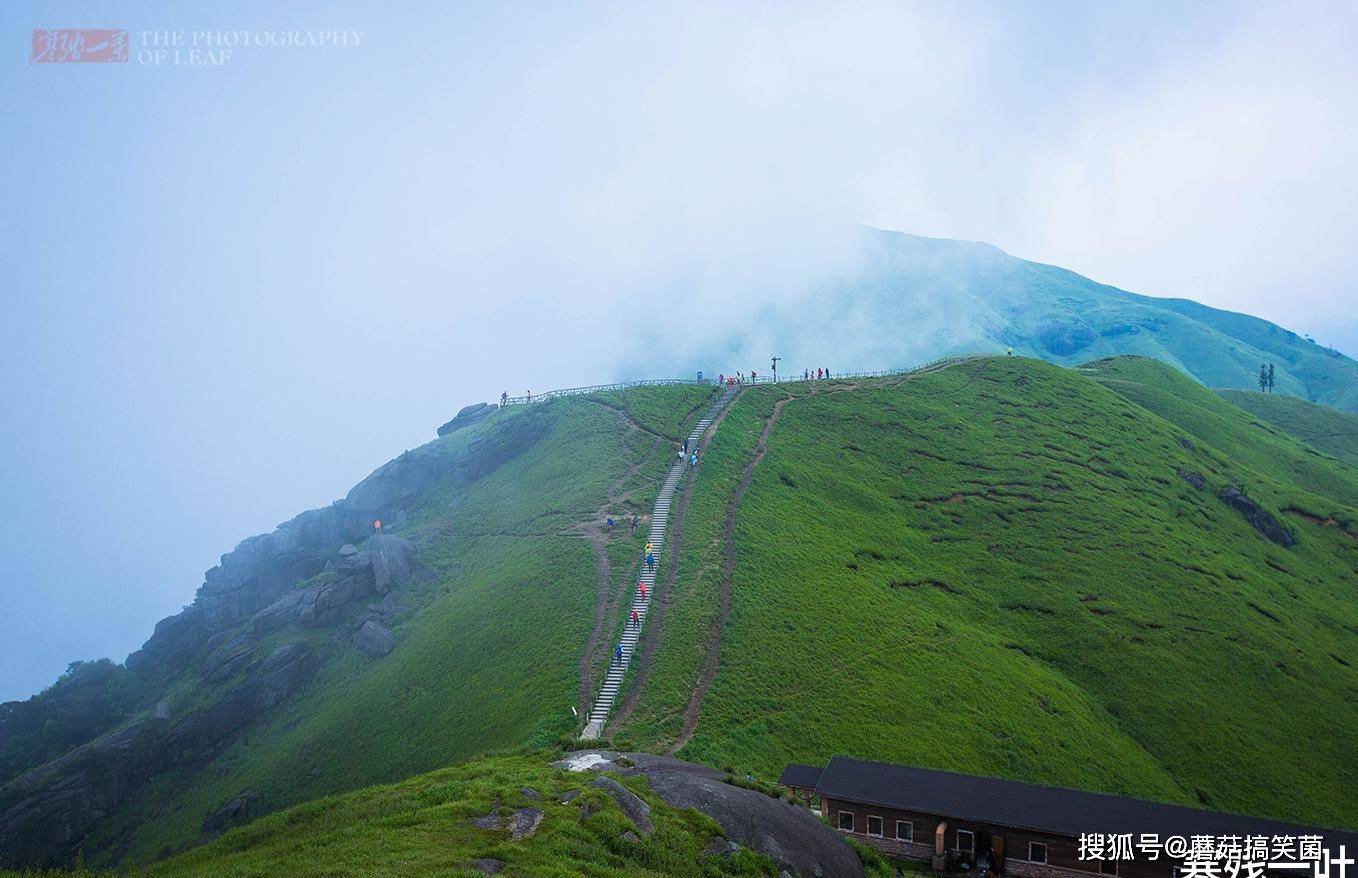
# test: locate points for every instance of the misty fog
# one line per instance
(232, 292)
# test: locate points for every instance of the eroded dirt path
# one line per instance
(718, 624)
(606, 598)
(728, 565)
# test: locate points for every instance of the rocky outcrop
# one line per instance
(375, 639)
(310, 572)
(276, 678)
(631, 804)
(384, 563)
(796, 841)
(263, 569)
(468, 415)
(1259, 518)
(1194, 479)
(233, 813)
(46, 813)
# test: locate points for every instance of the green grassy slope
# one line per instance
(1321, 427)
(488, 653)
(423, 826)
(999, 569)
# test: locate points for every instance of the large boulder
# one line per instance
(391, 559)
(375, 639)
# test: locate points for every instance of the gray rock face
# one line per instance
(277, 677)
(384, 563)
(789, 834)
(47, 812)
(1194, 479)
(375, 639)
(631, 804)
(524, 823)
(490, 865)
(229, 659)
(487, 821)
(1258, 517)
(390, 558)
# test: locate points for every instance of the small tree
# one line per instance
(1263, 378)
(1270, 377)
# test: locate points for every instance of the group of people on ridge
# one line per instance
(725, 380)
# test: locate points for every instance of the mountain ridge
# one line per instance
(911, 298)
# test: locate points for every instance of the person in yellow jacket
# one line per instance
(649, 548)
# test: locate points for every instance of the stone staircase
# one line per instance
(617, 669)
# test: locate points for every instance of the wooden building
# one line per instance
(964, 822)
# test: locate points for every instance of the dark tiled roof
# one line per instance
(1047, 809)
(796, 775)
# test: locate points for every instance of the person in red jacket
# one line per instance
(635, 619)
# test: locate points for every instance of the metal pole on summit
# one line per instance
(775, 369)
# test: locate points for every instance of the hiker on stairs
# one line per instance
(649, 547)
(641, 586)
(617, 653)
(636, 620)
(693, 461)
(650, 562)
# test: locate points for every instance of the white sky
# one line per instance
(231, 292)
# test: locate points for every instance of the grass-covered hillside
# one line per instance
(428, 825)
(1323, 428)
(513, 574)
(1107, 577)
(1010, 568)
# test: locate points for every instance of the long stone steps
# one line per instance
(617, 667)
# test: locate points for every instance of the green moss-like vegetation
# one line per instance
(1328, 430)
(1001, 569)
(423, 826)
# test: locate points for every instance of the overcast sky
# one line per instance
(232, 291)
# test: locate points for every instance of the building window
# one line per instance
(1108, 867)
(1037, 852)
(966, 840)
(905, 830)
(874, 826)
(846, 821)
